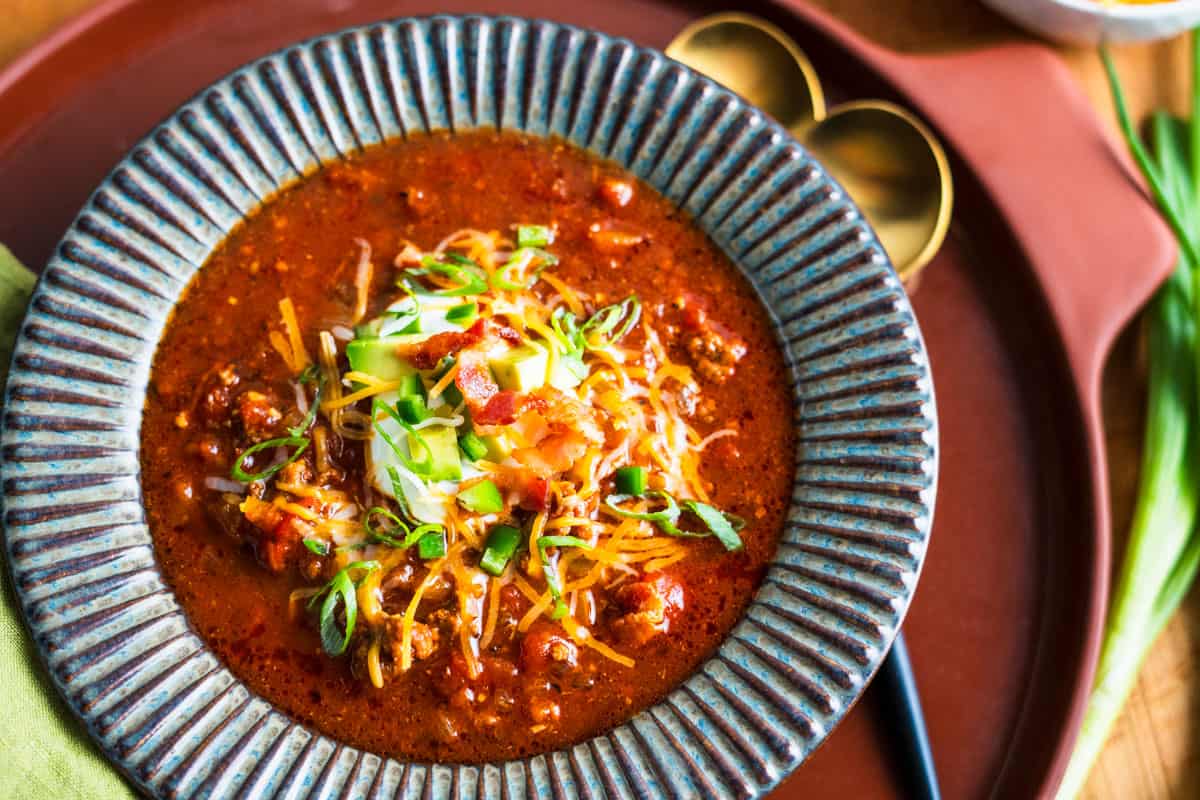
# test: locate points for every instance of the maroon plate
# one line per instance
(1051, 252)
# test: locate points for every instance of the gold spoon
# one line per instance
(885, 158)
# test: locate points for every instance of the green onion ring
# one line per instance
(422, 467)
(238, 474)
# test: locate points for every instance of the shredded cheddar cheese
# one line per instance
(604, 402)
(300, 358)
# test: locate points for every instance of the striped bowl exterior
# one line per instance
(116, 642)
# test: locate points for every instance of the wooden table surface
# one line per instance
(1154, 752)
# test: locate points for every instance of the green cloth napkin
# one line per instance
(44, 752)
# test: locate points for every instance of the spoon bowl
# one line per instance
(756, 60)
(887, 160)
(882, 156)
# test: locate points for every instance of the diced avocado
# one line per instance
(482, 498)
(443, 445)
(378, 357)
(521, 369)
(498, 447)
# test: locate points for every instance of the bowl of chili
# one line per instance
(220, 203)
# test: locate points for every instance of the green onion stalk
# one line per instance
(1164, 546)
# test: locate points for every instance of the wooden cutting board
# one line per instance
(1153, 752)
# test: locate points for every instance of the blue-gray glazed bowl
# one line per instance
(116, 642)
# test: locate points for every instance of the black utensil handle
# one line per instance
(903, 712)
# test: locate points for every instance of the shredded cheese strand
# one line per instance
(300, 358)
(444, 383)
(410, 614)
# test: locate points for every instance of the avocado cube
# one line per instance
(521, 369)
(443, 446)
(498, 447)
(378, 357)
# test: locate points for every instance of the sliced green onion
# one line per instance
(407, 317)
(550, 567)
(411, 384)
(412, 409)
(1161, 553)
(668, 515)
(718, 525)
(723, 526)
(299, 442)
(398, 490)
(631, 481)
(502, 544)
(311, 416)
(316, 546)
(534, 236)
(423, 467)
(334, 638)
(466, 273)
(376, 533)
(368, 330)
(388, 537)
(432, 545)
(482, 498)
(562, 541)
(472, 446)
(610, 324)
(547, 258)
(308, 374)
(501, 279)
(464, 315)
(565, 327)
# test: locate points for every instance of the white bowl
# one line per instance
(1089, 21)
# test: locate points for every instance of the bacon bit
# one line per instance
(506, 333)
(536, 495)
(475, 381)
(616, 193)
(501, 409)
(522, 487)
(556, 453)
(427, 354)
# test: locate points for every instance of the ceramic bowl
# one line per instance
(112, 635)
(1090, 21)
